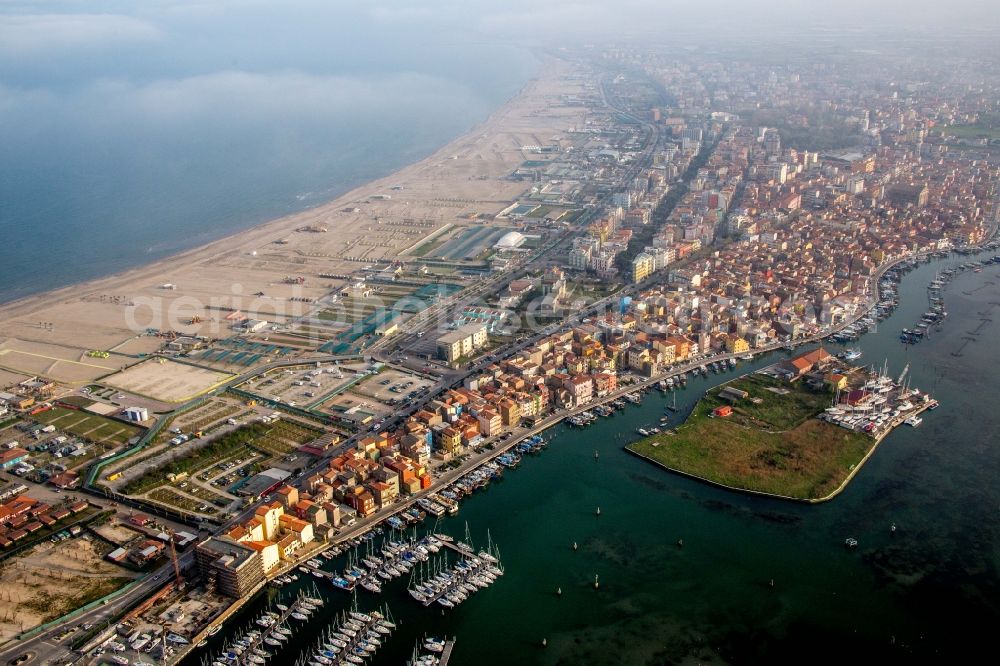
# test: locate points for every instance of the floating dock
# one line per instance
(449, 645)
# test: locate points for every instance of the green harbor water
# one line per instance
(927, 593)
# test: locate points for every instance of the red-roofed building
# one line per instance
(804, 363)
(361, 501)
(65, 480)
(11, 457)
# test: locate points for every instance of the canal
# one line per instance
(927, 592)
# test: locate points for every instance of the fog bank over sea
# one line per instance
(134, 131)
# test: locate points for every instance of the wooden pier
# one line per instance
(460, 575)
(469, 555)
(449, 645)
(901, 419)
(268, 631)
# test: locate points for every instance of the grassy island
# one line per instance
(770, 443)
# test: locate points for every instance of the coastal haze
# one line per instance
(131, 132)
(488, 332)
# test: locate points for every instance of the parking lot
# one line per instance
(303, 386)
(197, 472)
(373, 398)
(61, 439)
(391, 386)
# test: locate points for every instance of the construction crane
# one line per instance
(177, 565)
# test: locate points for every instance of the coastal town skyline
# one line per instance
(354, 347)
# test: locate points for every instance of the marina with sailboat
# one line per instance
(570, 569)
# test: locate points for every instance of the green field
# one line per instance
(88, 426)
(589, 291)
(774, 446)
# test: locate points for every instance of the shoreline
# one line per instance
(23, 305)
(762, 493)
(500, 447)
(857, 466)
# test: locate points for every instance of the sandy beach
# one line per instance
(464, 183)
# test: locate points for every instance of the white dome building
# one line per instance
(510, 240)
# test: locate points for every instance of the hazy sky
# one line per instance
(148, 125)
(39, 28)
(170, 59)
(106, 62)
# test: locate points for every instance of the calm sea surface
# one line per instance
(128, 138)
(924, 594)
